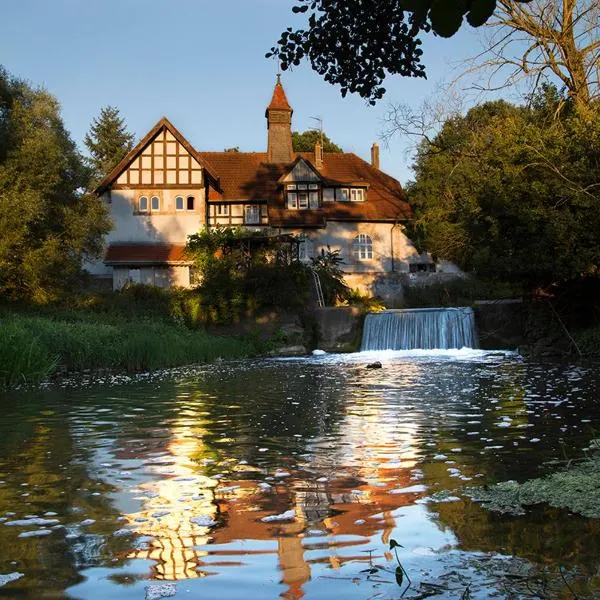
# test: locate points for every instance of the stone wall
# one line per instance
(339, 329)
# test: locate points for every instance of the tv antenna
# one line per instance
(320, 121)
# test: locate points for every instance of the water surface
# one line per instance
(289, 478)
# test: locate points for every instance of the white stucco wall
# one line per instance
(167, 226)
(391, 248)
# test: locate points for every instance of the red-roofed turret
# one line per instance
(279, 124)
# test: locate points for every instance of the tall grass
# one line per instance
(32, 348)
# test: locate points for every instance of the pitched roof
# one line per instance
(279, 100)
(247, 176)
(147, 139)
(140, 254)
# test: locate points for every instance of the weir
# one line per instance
(421, 328)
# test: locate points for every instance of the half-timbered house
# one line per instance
(165, 189)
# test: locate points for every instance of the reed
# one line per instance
(32, 348)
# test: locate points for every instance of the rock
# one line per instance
(289, 351)
(374, 365)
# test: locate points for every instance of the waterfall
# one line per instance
(421, 328)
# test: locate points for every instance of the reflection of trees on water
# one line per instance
(44, 470)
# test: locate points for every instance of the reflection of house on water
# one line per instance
(198, 526)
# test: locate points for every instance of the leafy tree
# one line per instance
(328, 267)
(108, 141)
(356, 43)
(47, 224)
(305, 141)
(512, 192)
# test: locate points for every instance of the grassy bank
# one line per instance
(33, 348)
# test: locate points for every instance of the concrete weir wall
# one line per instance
(339, 328)
(500, 324)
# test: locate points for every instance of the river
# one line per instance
(289, 478)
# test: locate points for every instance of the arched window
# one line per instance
(155, 203)
(179, 203)
(190, 202)
(143, 204)
(363, 247)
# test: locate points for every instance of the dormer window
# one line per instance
(357, 195)
(302, 196)
(343, 195)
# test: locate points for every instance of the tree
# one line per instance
(356, 43)
(108, 141)
(305, 141)
(48, 225)
(512, 192)
(553, 41)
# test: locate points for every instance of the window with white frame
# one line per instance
(143, 204)
(222, 210)
(252, 215)
(357, 195)
(302, 196)
(362, 247)
(155, 203)
(342, 194)
(179, 203)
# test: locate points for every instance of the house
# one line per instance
(165, 190)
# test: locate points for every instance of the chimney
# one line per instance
(375, 155)
(318, 155)
(279, 125)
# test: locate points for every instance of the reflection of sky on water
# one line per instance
(192, 468)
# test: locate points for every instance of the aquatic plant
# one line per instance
(576, 488)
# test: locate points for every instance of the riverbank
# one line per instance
(34, 348)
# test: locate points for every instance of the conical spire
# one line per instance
(279, 124)
(279, 100)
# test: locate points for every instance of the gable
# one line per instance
(162, 161)
(301, 171)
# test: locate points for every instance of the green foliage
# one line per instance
(47, 225)
(365, 302)
(240, 278)
(356, 44)
(576, 488)
(511, 192)
(459, 292)
(108, 141)
(327, 265)
(33, 347)
(305, 141)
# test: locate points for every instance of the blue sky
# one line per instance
(201, 64)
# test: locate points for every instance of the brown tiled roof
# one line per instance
(129, 254)
(247, 176)
(279, 100)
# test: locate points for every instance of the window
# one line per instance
(363, 247)
(342, 194)
(357, 194)
(179, 203)
(292, 200)
(155, 203)
(190, 202)
(252, 214)
(222, 210)
(143, 204)
(302, 200)
(313, 199)
(422, 267)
